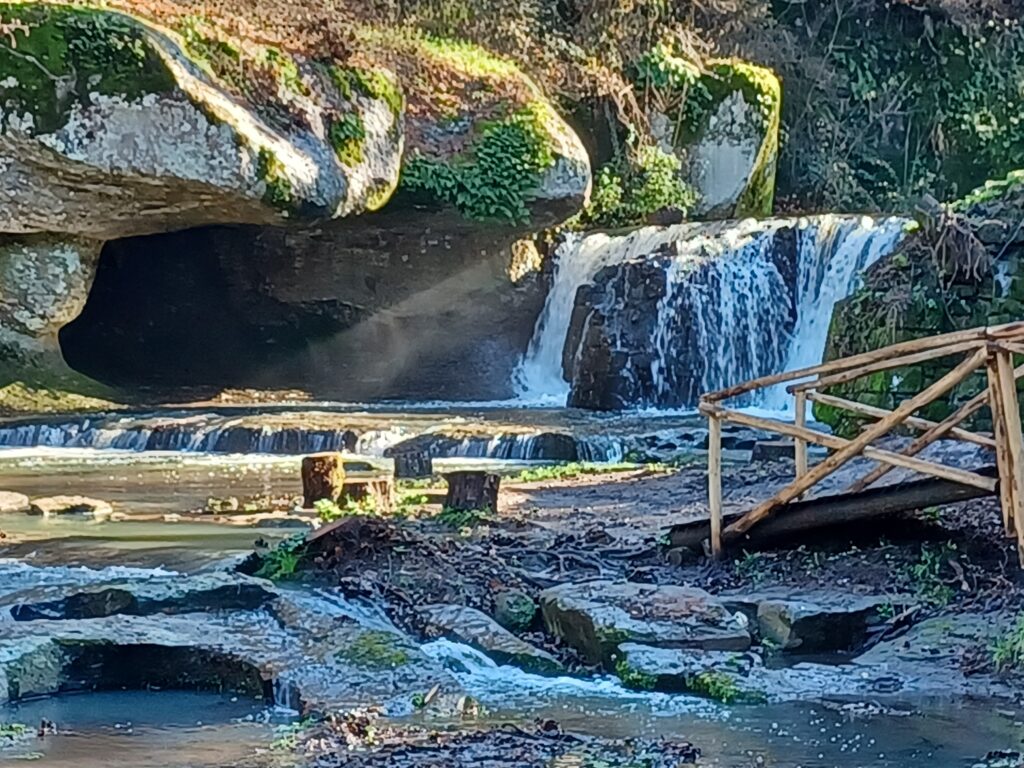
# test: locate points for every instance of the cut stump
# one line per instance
(413, 465)
(472, 490)
(380, 490)
(323, 476)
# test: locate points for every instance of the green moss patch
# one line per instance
(347, 135)
(57, 55)
(271, 171)
(375, 650)
(495, 177)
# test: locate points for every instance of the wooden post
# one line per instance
(799, 444)
(472, 490)
(715, 483)
(323, 475)
(1006, 493)
(1011, 413)
(825, 468)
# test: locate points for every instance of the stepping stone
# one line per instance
(56, 506)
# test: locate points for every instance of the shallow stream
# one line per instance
(179, 729)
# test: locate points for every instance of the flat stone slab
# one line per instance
(596, 617)
(13, 502)
(737, 678)
(56, 506)
(326, 664)
(812, 621)
(140, 597)
(480, 631)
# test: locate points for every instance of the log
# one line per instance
(413, 465)
(323, 475)
(801, 517)
(470, 490)
(1006, 495)
(838, 443)
(925, 425)
(380, 490)
(1015, 442)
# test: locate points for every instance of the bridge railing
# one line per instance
(991, 349)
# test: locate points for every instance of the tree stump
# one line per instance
(472, 490)
(323, 475)
(380, 490)
(413, 465)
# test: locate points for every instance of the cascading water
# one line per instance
(654, 318)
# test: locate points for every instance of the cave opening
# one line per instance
(166, 314)
(358, 313)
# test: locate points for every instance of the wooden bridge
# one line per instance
(989, 349)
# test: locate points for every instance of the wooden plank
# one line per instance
(854, 447)
(855, 361)
(995, 398)
(882, 365)
(826, 512)
(1014, 441)
(799, 443)
(911, 421)
(968, 409)
(875, 454)
(715, 483)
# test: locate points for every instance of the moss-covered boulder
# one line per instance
(112, 126)
(722, 120)
(962, 267)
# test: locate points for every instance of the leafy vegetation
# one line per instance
(494, 180)
(464, 518)
(282, 562)
(926, 574)
(1008, 650)
(629, 189)
(573, 469)
(636, 679)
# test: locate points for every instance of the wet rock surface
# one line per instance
(812, 621)
(596, 617)
(56, 506)
(209, 632)
(476, 629)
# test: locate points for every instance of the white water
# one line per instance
(726, 299)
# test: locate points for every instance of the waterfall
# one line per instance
(655, 317)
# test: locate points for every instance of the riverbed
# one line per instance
(151, 490)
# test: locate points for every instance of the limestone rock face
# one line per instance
(44, 284)
(729, 146)
(597, 617)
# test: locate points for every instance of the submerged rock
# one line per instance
(476, 629)
(56, 506)
(596, 617)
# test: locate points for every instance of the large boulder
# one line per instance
(596, 617)
(112, 126)
(727, 132)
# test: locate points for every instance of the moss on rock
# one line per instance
(57, 55)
